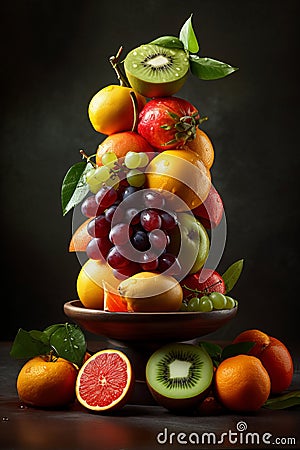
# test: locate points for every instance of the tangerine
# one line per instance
(46, 383)
(80, 238)
(242, 383)
(105, 381)
(203, 146)
(183, 174)
(122, 143)
(111, 109)
(274, 356)
(90, 283)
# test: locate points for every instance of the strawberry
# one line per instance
(168, 122)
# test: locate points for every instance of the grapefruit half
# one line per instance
(105, 381)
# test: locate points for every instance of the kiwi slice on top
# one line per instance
(179, 375)
(156, 71)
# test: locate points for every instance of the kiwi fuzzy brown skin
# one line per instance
(155, 71)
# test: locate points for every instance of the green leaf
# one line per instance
(51, 329)
(68, 341)
(74, 187)
(284, 401)
(209, 69)
(28, 344)
(214, 350)
(240, 348)
(168, 42)
(188, 37)
(232, 274)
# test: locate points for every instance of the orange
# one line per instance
(274, 356)
(182, 173)
(111, 109)
(203, 146)
(261, 340)
(90, 283)
(105, 381)
(47, 383)
(121, 143)
(80, 238)
(114, 302)
(279, 364)
(242, 383)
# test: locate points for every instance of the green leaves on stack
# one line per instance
(204, 68)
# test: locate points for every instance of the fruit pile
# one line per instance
(146, 194)
(150, 209)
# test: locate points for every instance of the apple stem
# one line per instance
(114, 60)
(135, 110)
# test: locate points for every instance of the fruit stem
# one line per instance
(114, 60)
(51, 356)
(88, 158)
(203, 119)
(135, 110)
(205, 291)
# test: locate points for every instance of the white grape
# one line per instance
(136, 178)
(109, 159)
(102, 174)
(132, 160)
(144, 159)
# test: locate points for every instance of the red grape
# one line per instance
(170, 264)
(154, 199)
(132, 216)
(90, 207)
(98, 248)
(125, 272)
(98, 227)
(158, 239)
(110, 212)
(106, 196)
(150, 261)
(168, 221)
(150, 219)
(120, 234)
(115, 259)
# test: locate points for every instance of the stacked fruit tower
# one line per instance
(147, 195)
(150, 211)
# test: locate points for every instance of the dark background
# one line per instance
(55, 57)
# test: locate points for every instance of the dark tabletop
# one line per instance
(136, 426)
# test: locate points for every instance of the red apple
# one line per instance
(205, 280)
(210, 212)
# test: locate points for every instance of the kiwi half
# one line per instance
(156, 71)
(179, 375)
